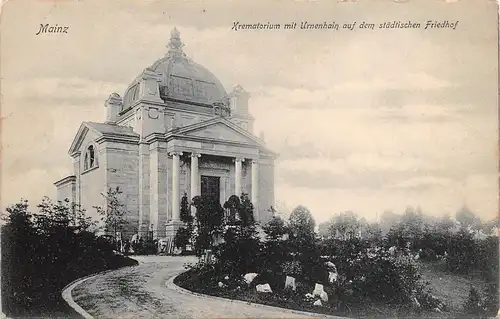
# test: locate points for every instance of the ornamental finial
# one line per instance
(175, 44)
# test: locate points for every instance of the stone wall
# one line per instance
(266, 189)
(158, 187)
(122, 170)
(92, 181)
(67, 191)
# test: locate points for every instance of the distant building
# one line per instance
(175, 131)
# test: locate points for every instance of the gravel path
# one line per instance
(140, 292)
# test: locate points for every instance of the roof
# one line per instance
(106, 131)
(181, 79)
(104, 128)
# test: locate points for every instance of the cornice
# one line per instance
(110, 137)
(65, 180)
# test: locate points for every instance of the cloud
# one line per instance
(360, 170)
(413, 80)
(64, 90)
(424, 182)
(422, 113)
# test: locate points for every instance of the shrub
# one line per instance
(276, 248)
(375, 274)
(462, 254)
(208, 224)
(240, 251)
(41, 253)
(182, 237)
(487, 253)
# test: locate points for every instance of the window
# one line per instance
(90, 160)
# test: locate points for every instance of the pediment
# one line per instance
(78, 140)
(93, 131)
(222, 132)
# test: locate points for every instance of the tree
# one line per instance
(301, 223)
(324, 229)
(389, 220)
(184, 233)
(240, 251)
(490, 225)
(302, 243)
(410, 227)
(209, 221)
(466, 217)
(246, 210)
(275, 229)
(232, 205)
(43, 251)
(373, 232)
(62, 214)
(114, 216)
(445, 224)
(346, 225)
(413, 221)
(185, 212)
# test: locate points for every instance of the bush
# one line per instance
(382, 277)
(201, 277)
(182, 238)
(487, 253)
(42, 253)
(465, 254)
(462, 254)
(373, 273)
(240, 251)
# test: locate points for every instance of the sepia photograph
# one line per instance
(250, 159)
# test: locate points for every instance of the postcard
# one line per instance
(249, 159)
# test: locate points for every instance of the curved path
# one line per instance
(141, 292)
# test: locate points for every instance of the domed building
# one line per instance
(176, 131)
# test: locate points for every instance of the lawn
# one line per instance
(452, 289)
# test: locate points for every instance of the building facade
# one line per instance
(176, 131)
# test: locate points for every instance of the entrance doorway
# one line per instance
(210, 187)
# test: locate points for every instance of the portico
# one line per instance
(195, 178)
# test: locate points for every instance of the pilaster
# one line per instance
(255, 188)
(158, 194)
(175, 185)
(144, 188)
(237, 175)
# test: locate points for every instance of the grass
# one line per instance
(452, 289)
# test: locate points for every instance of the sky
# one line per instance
(363, 120)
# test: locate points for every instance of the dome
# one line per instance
(183, 80)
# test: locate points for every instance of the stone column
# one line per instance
(255, 188)
(237, 176)
(195, 187)
(175, 185)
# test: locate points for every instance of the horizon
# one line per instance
(397, 118)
